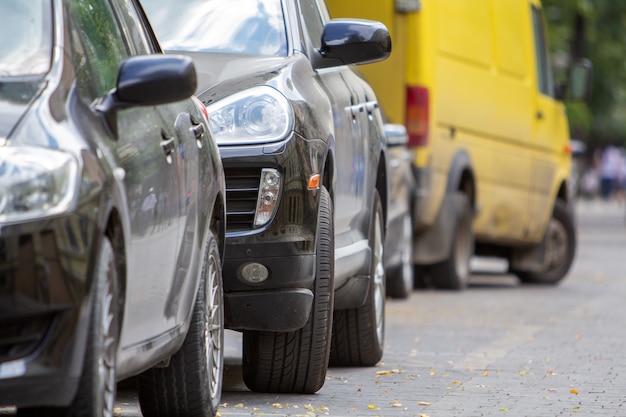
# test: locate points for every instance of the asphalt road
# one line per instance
(499, 348)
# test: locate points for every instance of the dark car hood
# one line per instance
(15, 99)
(222, 74)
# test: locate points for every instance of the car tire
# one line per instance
(296, 362)
(96, 392)
(453, 273)
(560, 242)
(192, 383)
(400, 280)
(358, 333)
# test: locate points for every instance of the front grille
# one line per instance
(242, 190)
(19, 338)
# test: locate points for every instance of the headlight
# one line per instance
(253, 116)
(35, 182)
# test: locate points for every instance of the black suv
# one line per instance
(303, 148)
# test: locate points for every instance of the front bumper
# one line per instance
(43, 304)
(285, 246)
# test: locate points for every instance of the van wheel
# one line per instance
(358, 333)
(296, 362)
(560, 240)
(400, 278)
(192, 383)
(453, 273)
(96, 393)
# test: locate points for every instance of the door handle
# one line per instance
(198, 130)
(168, 144)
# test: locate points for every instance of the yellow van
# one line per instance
(472, 83)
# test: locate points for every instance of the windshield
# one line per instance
(25, 37)
(252, 27)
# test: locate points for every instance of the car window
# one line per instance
(98, 44)
(25, 37)
(313, 21)
(544, 70)
(132, 24)
(251, 27)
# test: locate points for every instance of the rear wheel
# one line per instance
(560, 241)
(296, 362)
(400, 278)
(453, 273)
(358, 333)
(96, 393)
(192, 383)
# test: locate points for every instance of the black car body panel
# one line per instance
(335, 132)
(124, 186)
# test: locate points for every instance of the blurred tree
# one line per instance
(592, 29)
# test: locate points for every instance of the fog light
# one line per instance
(267, 200)
(254, 273)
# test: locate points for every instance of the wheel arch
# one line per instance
(461, 177)
(382, 184)
(115, 232)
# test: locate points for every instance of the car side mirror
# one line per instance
(353, 41)
(149, 80)
(579, 83)
(580, 80)
(396, 135)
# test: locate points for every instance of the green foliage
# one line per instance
(603, 44)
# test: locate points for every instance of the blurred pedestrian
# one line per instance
(609, 171)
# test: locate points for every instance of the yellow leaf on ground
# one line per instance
(457, 383)
(574, 391)
(371, 406)
(424, 403)
(383, 373)
(395, 403)
(433, 372)
(309, 407)
(277, 405)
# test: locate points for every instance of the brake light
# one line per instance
(417, 112)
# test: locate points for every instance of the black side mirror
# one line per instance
(396, 135)
(354, 41)
(579, 83)
(580, 80)
(149, 80)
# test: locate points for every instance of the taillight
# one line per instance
(202, 108)
(417, 110)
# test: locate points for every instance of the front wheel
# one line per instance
(400, 281)
(359, 333)
(192, 383)
(96, 392)
(296, 362)
(560, 246)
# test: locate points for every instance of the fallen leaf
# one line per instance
(309, 407)
(457, 383)
(240, 405)
(277, 405)
(433, 372)
(504, 410)
(574, 391)
(576, 409)
(371, 406)
(578, 336)
(395, 403)
(552, 389)
(424, 403)
(424, 415)
(486, 372)
(322, 408)
(383, 373)
(550, 372)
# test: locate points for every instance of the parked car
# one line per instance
(473, 84)
(302, 143)
(399, 237)
(111, 216)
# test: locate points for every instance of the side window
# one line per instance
(133, 26)
(98, 44)
(544, 70)
(313, 21)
